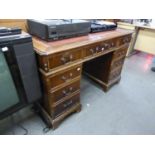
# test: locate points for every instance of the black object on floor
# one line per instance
(153, 69)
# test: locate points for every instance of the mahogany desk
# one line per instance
(100, 56)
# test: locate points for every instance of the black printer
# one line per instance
(56, 29)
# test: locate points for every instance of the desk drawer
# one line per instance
(65, 91)
(117, 63)
(115, 74)
(62, 58)
(100, 47)
(124, 40)
(61, 107)
(61, 78)
(120, 53)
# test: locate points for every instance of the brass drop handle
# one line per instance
(66, 59)
(65, 78)
(68, 103)
(71, 57)
(112, 44)
(125, 40)
(106, 45)
(92, 51)
(70, 74)
(65, 92)
(97, 48)
(70, 89)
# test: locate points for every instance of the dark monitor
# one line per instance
(19, 80)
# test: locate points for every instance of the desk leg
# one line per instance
(133, 42)
(54, 123)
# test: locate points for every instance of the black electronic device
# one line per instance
(19, 80)
(99, 26)
(50, 29)
(9, 31)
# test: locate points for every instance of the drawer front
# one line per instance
(117, 63)
(63, 58)
(63, 77)
(124, 40)
(100, 47)
(65, 91)
(115, 74)
(120, 53)
(65, 105)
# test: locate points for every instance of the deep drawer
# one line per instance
(117, 63)
(65, 91)
(115, 74)
(53, 81)
(124, 40)
(120, 53)
(65, 105)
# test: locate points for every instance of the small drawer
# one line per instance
(124, 40)
(61, 107)
(100, 47)
(65, 91)
(62, 58)
(115, 74)
(62, 77)
(117, 63)
(106, 45)
(120, 53)
(91, 50)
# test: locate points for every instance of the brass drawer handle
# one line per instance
(65, 78)
(112, 44)
(71, 57)
(68, 103)
(125, 40)
(106, 45)
(97, 48)
(92, 50)
(65, 92)
(64, 59)
(67, 59)
(70, 89)
(70, 74)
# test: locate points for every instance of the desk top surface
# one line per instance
(46, 48)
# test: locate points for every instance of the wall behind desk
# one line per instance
(21, 23)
